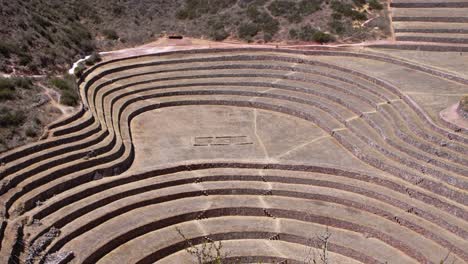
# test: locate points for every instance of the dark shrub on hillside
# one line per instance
(196, 8)
(9, 117)
(375, 4)
(308, 33)
(6, 84)
(247, 31)
(347, 10)
(7, 89)
(22, 82)
(110, 34)
(61, 84)
(337, 26)
(69, 98)
(322, 37)
(263, 20)
(6, 49)
(307, 7)
(292, 10)
(93, 59)
(79, 69)
(217, 31)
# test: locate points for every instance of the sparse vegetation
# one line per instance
(79, 69)
(110, 34)
(464, 104)
(294, 11)
(8, 86)
(247, 31)
(10, 117)
(196, 8)
(68, 89)
(375, 4)
(93, 59)
(347, 10)
(308, 33)
(209, 252)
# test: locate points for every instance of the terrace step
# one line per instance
(128, 225)
(255, 229)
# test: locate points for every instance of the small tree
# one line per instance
(209, 252)
(320, 244)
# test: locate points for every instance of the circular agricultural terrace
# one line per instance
(263, 149)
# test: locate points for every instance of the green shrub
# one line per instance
(247, 31)
(7, 89)
(69, 98)
(22, 82)
(7, 94)
(61, 84)
(6, 84)
(287, 9)
(79, 69)
(31, 132)
(93, 59)
(375, 4)
(196, 8)
(322, 37)
(110, 34)
(264, 21)
(347, 10)
(9, 117)
(307, 33)
(6, 49)
(464, 103)
(307, 7)
(337, 26)
(282, 7)
(293, 34)
(217, 31)
(25, 59)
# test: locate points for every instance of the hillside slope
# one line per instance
(41, 35)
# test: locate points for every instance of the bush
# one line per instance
(264, 21)
(307, 33)
(93, 59)
(7, 95)
(23, 82)
(31, 132)
(337, 26)
(6, 84)
(7, 89)
(322, 37)
(217, 31)
(375, 4)
(293, 11)
(9, 117)
(247, 31)
(307, 7)
(79, 69)
(464, 103)
(110, 34)
(347, 10)
(196, 8)
(61, 84)
(6, 49)
(69, 98)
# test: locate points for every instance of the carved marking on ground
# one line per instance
(221, 141)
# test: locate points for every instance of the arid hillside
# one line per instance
(41, 35)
